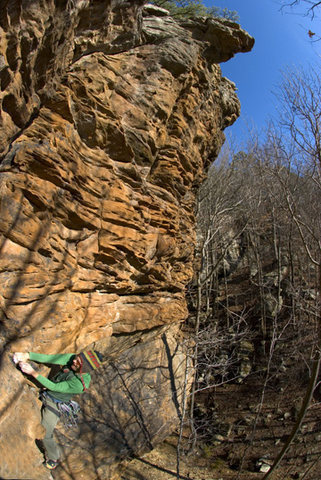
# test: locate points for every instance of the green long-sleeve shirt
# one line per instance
(66, 382)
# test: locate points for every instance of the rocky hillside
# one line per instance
(111, 112)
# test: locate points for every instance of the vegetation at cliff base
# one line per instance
(195, 8)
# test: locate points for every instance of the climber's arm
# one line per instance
(57, 359)
(73, 386)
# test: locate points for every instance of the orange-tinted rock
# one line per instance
(108, 121)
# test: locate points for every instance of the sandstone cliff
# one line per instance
(110, 114)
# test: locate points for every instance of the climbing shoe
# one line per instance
(51, 464)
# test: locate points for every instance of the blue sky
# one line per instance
(281, 40)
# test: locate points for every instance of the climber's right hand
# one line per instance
(27, 368)
(20, 357)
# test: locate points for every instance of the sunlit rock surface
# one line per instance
(110, 115)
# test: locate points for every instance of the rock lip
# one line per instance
(150, 9)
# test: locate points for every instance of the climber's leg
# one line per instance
(49, 421)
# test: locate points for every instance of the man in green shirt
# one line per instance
(73, 378)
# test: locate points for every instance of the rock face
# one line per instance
(110, 115)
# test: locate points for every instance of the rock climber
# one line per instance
(73, 378)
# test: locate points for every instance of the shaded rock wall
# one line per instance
(110, 115)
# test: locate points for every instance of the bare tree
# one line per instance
(311, 6)
(264, 202)
(259, 213)
(296, 167)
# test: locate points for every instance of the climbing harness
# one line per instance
(67, 411)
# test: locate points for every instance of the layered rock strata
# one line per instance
(110, 115)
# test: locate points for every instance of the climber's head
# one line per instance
(86, 361)
(76, 363)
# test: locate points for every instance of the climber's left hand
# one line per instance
(20, 357)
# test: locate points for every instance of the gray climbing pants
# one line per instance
(49, 420)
